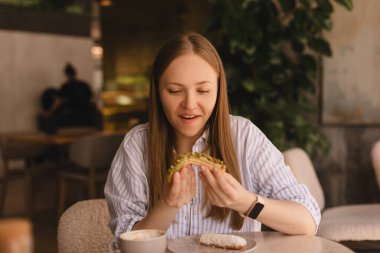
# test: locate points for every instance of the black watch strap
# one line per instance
(256, 210)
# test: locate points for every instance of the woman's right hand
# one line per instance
(179, 192)
(182, 188)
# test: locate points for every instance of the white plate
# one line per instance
(190, 244)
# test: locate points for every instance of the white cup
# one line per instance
(143, 241)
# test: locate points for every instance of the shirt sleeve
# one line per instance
(126, 189)
(275, 180)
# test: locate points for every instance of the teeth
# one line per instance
(188, 116)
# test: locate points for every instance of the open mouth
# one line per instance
(188, 117)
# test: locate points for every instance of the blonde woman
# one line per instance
(189, 112)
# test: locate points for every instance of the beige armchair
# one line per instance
(375, 156)
(342, 223)
(83, 228)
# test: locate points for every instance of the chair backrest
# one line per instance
(375, 156)
(302, 167)
(83, 228)
(95, 151)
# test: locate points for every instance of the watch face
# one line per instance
(256, 210)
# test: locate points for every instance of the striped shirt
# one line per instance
(262, 171)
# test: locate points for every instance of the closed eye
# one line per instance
(203, 91)
(173, 91)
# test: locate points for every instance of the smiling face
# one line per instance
(188, 91)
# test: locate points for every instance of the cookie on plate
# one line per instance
(224, 241)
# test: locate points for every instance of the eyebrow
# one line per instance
(197, 83)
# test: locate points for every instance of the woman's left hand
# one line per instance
(224, 190)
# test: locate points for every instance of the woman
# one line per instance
(189, 113)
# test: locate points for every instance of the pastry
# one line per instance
(195, 158)
(224, 241)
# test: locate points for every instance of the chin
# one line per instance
(191, 134)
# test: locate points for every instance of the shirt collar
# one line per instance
(204, 136)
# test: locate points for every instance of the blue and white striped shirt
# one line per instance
(262, 170)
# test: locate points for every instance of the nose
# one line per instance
(189, 100)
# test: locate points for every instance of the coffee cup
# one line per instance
(143, 241)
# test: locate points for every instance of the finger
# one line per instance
(227, 182)
(213, 198)
(220, 178)
(174, 189)
(208, 177)
(189, 171)
(176, 184)
(212, 189)
(193, 188)
(184, 178)
(210, 195)
(219, 183)
(188, 174)
(221, 190)
(188, 177)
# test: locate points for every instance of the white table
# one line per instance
(271, 242)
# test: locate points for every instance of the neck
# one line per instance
(183, 145)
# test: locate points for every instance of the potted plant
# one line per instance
(270, 49)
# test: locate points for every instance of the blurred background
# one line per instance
(305, 72)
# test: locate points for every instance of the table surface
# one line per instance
(42, 138)
(56, 139)
(269, 242)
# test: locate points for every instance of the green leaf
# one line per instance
(302, 82)
(249, 85)
(345, 3)
(287, 5)
(326, 7)
(308, 63)
(320, 45)
(327, 24)
(246, 3)
(298, 46)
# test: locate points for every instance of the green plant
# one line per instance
(270, 49)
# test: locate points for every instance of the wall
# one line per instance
(350, 83)
(31, 62)
(353, 73)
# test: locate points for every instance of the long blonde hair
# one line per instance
(161, 133)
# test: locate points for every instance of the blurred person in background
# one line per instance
(70, 106)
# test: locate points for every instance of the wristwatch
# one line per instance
(255, 209)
